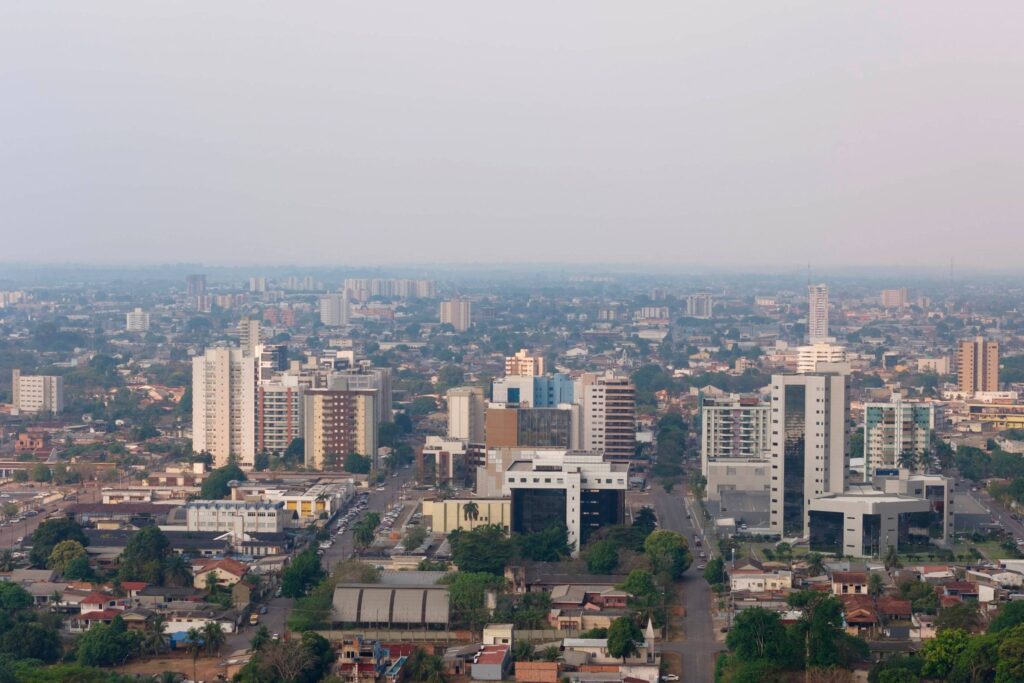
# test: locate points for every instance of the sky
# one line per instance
(677, 133)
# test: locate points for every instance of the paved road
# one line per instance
(698, 646)
(10, 533)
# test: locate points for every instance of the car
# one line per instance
(263, 609)
(701, 566)
(703, 556)
(670, 677)
(276, 636)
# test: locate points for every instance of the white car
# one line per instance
(670, 677)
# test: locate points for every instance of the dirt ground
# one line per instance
(207, 668)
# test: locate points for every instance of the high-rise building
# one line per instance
(735, 447)
(894, 298)
(250, 335)
(977, 364)
(457, 313)
(136, 321)
(700, 306)
(808, 436)
(523, 364)
(817, 313)
(270, 360)
(33, 394)
(334, 310)
(608, 404)
(279, 418)
(466, 407)
(223, 405)
(257, 284)
(809, 356)
(195, 286)
(520, 427)
(362, 289)
(545, 391)
(366, 377)
(337, 423)
(894, 428)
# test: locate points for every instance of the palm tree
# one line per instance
(470, 511)
(6, 561)
(195, 646)
(875, 584)
(211, 582)
(176, 571)
(215, 639)
(153, 634)
(892, 558)
(926, 460)
(815, 564)
(907, 460)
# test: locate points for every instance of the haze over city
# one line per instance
(739, 134)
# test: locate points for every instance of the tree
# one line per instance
(6, 560)
(815, 564)
(602, 557)
(32, 640)
(467, 592)
(63, 553)
(153, 638)
(892, 558)
(104, 645)
(79, 569)
(13, 597)
(213, 638)
(414, 537)
(820, 629)
(668, 552)
(286, 659)
(363, 533)
(301, 575)
(357, 464)
(757, 633)
(211, 582)
(907, 460)
(424, 667)
(522, 651)
(962, 616)
(9, 510)
(215, 486)
(484, 549)
(941, 653)
(176, 571)
(41, 473)
(49, 534)
(645, 520)
(1011, 614)
(547, 545)
(259, 639)
(195, 648)
(714, 572)
(624, 638)
(875, 584)
(20, 476)
(144, 556)
(471, 511)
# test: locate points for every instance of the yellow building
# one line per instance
(467, 513)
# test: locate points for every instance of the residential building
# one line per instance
(808, 436)
(523, 364)
(279, 413)
(195, 290)
(453, 460)
(939, 366)
(466, 407)
(334, 310)
(238, 516)
(735, 445)
(608, 406)
(136, 321)
(977, 364)
(700, 306)
(339, 422)
(457, 313)
(362, 289)
(808, 357)
(250, 335)
(894, 298)
(224, 405)
(365, 377)
(817, 313)
(894, 428)
(271, 359)
(34, 394)
(581, 488)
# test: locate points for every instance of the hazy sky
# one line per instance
(721, 133)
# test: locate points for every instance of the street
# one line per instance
(698, 646)
(10, 533)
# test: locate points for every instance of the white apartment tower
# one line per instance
(608, 407)
(34, 394)
(700, 306)
(466, 408)
(522, 364)
(808, 436)
(223, 405)
(334, 310)
(817, 313)
(250, 335)
(894, 428)
(136, 321)
(457, 313)
(808, 357)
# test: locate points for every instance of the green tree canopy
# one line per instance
(215, 486)
(484, 549)
(602, 557)
(668, 552)
(624, 638)
(49, 534)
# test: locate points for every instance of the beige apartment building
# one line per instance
(224, 405)
(457, 313)
(977, 364)
(522, 364)
(339, 422)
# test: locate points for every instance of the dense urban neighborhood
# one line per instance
(585, 476)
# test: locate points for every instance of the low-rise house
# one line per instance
(849, 583)
(156, 597)
(859, 614)
(492, 663)
(83, 622)
(226, 571)
(361, 660)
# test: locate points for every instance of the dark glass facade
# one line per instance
(794, 457)
(871, 535)
(826, 532)
(599, 508)
(544, 427)
(537, 509)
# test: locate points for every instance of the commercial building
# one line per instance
(511, 427)
(34, 394)
(307, 500)
(237, 516)
(894, 428)
(336, 423)
(523, 364)
(334, 310)
(700, 306)
(894, 298)
(808, 357)
(608, 406)
(458, 313)
(581, 488)
(817, 313)
(808, 436)
(939, 366)
(452, 460)
(466, 407)
(397, 600)
(977, 364)
(223, 405)
(735, 445)
(136, 321)
(542, 391)
(466, 514)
